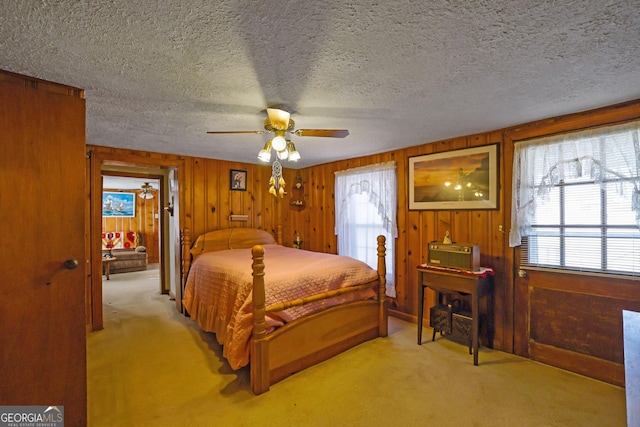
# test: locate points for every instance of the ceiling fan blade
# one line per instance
(279, 118)
(331, 133)
(258, 132)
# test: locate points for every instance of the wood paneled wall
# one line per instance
(415, 228)
(207, 202)
(146, 223)
(489, 228)
(210, 202)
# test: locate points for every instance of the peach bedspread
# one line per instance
(219, 290)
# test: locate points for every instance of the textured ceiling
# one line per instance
(159, 75)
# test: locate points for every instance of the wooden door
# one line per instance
(42, 200)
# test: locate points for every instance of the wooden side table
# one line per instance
(106, 265)
(449, 280)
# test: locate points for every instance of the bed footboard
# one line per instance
(311, 339)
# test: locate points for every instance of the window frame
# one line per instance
(606, 235)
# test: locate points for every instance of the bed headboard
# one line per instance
(230, 238)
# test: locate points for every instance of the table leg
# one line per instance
(107, 268)
(475, 322)
(420, 308)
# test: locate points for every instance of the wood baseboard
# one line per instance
(589, 366)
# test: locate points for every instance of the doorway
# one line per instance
(155, 234)
(131, 233)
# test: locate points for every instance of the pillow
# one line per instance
(130, 239)
(230, 238)
(111, 240)
(141, 249)
(249, 237)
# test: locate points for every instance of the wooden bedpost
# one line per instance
(185, 245)
(259, 347)
(279, 234)
(382, 290)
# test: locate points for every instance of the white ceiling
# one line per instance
(128, 183)
(158, 75)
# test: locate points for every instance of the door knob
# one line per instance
(71, 264)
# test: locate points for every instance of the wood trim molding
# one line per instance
(99, 156)
(40, 84)
(605, 116)
(600, 369)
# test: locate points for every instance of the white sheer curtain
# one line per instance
(604, 154)
(356, 234)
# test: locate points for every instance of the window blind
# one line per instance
(577, 201)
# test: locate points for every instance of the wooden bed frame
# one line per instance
(309, 340)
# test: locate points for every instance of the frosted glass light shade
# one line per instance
(279, 143)
(294, 156)
(264, 155)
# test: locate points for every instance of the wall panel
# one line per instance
(415, 228)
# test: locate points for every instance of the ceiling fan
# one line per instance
(145, 192)
(280, 123)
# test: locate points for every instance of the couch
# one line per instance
(128, 260)
(124, 246)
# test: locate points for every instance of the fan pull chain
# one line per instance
(276, 182)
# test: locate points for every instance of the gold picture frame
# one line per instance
(454, 180)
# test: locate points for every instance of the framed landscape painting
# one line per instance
(453, 180)
(116, 204)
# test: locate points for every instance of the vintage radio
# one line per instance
(461, 256)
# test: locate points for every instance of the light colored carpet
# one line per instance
(151, 366)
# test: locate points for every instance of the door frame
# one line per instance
(161, 176)
(98, 160)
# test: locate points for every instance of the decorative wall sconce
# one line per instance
(297, 193)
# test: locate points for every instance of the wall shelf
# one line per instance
(297, 194)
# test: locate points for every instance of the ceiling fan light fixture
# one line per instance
(265, 153)
(283, 154)
(279, 119)
(294, 156)
(146, 191)
(278, 142)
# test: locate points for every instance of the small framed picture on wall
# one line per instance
(238, 180)
(116, 204)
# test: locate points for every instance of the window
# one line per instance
(366, 204)
(577, 201)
